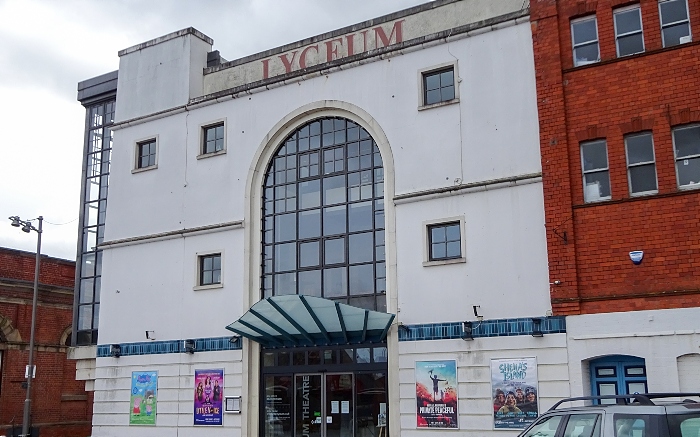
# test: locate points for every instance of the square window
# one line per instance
(213, 138)
(146, 153)
(209, 268)
(444, 241)
(641, 165)
(686, 146)
(439, 86)
(675, 24)
(629, 36)
(596, 175)
(584, 39)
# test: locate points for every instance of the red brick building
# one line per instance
(618, 86)
(60, 404)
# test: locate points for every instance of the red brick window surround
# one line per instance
(675, 22)
(584, 40)
(629, 35)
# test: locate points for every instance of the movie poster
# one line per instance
(436, 394)
(208, 397)
(144, 397)
(514, 391)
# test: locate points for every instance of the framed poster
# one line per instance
(436, 394)
(514, 392)
(208, 397)
(144, 398)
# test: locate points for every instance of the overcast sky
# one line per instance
(48, 46)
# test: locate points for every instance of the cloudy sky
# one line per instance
(48, 46)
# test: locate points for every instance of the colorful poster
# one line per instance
(436, 394)
(208, 397)
(144, 398)
(514, 391)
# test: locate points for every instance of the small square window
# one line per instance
(146, 153)
(675, 24)
(445, 241)
(209, 269)
(439, 86)
(629, 36)
(584, 39)
(213, 138)
(686, 145)
(641, 165)
(596, 174)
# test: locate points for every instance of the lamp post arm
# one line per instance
(28, 399)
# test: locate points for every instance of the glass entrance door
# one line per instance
(324, 405)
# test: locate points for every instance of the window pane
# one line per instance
(285, 227)
(285, 284)
(360, 216)
(360, 248)
(310, 223)
(581, 425)
(636, 387)
(672, 11)
(86, 290)
(285, 257)
(334, 251)
(687, 141)
(597, 186)
(586, 54)
(447, 78)
(673, 34)
(640, 148)
(432, 82)
(438, 251)
(453, 249)
(310, 283)
(688, 171)
(334, 190)
(309, 254)
(584, 31)
(629, 45)
(627, 21)
(335, 282)
(643, 178)
(448, 93)
(334, 220)
(432, 97)
(437, 234)
(310, 194)
(545, 428)
(595, 156)
(362, 279)
(452, 232)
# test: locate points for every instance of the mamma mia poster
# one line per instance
(208, 397)
(514, 392)
(436, 394)
(144, 398)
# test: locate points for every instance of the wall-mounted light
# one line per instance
(537, 328)
(150, 335)
(232, 404)
(235, 340)
(467, 331)
(189, 346)
(403, 327)
(636, 256)
(115, 350)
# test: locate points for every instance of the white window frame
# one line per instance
(639, 164)
(696, 185)
(202, 138)
(139, 142)
(198, 271)
(664, 25)
(427, 262)
(584, 172)
(434, 69)
(640, 31)
(574, 46)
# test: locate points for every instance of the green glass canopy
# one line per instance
(298, 320)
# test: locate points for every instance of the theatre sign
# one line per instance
(401, 30)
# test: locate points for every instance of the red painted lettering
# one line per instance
(364, 40)
(395, 32)
(350, 40)
(266, 68)
(288, 63)
(302, 57)
(332, 50)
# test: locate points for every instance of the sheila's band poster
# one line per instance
(208, 397)
(436, 394)
(514, 392)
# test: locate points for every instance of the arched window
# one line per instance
(323, 216)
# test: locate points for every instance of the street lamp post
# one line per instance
(28, 227)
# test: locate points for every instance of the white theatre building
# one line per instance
(361, 209)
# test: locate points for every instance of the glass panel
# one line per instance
(340, 405)
(85, 316)
(314, 357)
(605, 371)
(607, 388)
(334, 220)
(347, 356)
(643, 178)
(629, 45)
(278, 405)
(586, 54)
(96, 315)
(362, 279)
(360, 248)
(334, 190)
(360, 216)
(672, 11)
(283, 358)
(334, 251)
(98, 286)
(285, 257)
(687, 142)
(546, 427)
(362, 355)
(581, 425)
(380, 355)
(299, 358)
(370, 389)
(310, 283)
(432, 81)
(310, 223)
(595, 156)
(597, 186)
(628, 21)
(330, 356)
(448, 93)
(364, 302)
(335, 282)
(285, 284)
(309, 194)
(688, 171)
(86, 290)
(432, 97)
(636, 387)
(309, 254)
(673, 34)
(308, 406)
(584, 31)
(88, 265)
(268, 359)
(640, 149)
(634, 371)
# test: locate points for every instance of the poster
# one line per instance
(514, 391)
(208, 397)
(436, 394)
(144, 398)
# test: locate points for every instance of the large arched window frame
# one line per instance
(323, 216)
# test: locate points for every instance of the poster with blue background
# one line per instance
(144, 398)
(208, 397)
(514, 392)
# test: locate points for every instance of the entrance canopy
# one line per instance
(298, 320)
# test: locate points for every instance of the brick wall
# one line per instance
(653, 92)
(61, 406)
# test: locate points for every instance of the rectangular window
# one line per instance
(675, 24)
(445, 241)
(686, 145)
(584, 39)
(641, 165)
(209, 269)
(146, 154)
(596, 175)
(213, 138)
(629, 36)
(438, 86)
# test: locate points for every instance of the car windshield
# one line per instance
(684, 425)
